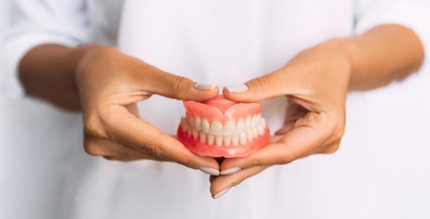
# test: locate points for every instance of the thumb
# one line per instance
(182, 88)
(267, 86)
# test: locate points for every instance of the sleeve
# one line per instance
(37, 22)
(414, 14)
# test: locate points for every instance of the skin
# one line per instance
(106, 85)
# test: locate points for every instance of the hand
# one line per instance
(315, 82)
(110, 84)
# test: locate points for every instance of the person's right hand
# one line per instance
(110, 85)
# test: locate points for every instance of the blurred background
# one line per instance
(34, 181)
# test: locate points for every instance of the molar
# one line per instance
(202, 137)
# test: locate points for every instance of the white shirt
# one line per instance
(381, 169)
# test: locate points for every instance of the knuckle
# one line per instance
(333, 148)
(179, 87)
(92, 125)
(92, 148)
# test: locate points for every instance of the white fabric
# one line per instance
(380, 170)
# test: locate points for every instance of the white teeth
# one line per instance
(240, 126)
(235, 140)
(205, 126)
(191, 121)
(184, 124)
(211, 139)
(202, 137)
(197, 123)
(216, 128)
(249, 135)
(229, 128)
(195, 134)
(242, 138)
(231, 133)
(218, 140)
(248, 122)
(253, 121)
(227, 140)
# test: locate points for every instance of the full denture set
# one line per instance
(223, 128)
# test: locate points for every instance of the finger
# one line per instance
(267, 86)
(173, 86)
(111, 149)
(220, 184)
(301, 141)
(143, 136)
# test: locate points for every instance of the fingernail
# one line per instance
(230, 171)
(237, 88)
(222, 192)
(210, 171)
(204, 87)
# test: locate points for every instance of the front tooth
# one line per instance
(205, 126)
(240, 126)
(202, 137)
(195, 134)
(227, 140)
(211, 139)
(218, 140)
(249, 135)
(235, 140)
(248, 122)
(229, 128)
(197, 123)
(216, 128)
(242, 138)
(257, 119)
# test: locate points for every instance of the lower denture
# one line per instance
(223, 128)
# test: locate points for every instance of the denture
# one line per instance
(223, 128)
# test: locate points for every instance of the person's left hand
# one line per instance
(316, 83)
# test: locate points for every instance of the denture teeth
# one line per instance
(230, 134)
(240, 127)
(227, 140)
(195, 134)
(216, 128)
(218, 140)
(205, 126)
(254, 133)
(249, 135)
(242, 138)
(235, 140)
(248, 122)
(197, 123)
(211, 139)
(229, 128)
(253, 121)
(202, 137)
(191, 121)
(184, 124)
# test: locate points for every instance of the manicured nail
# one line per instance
(237, 88)
(210, 171)
(204, 87)
(230, 170)
(222, 192)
